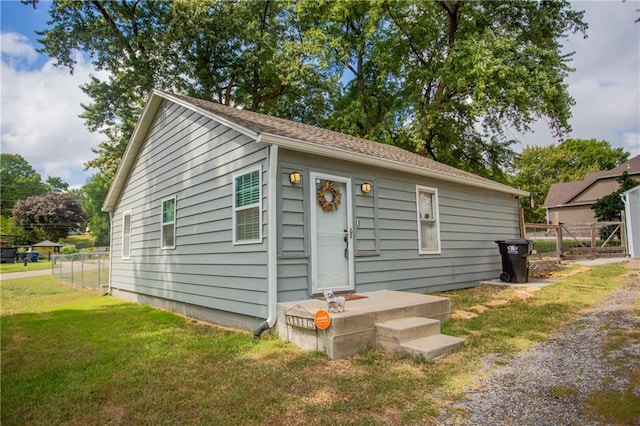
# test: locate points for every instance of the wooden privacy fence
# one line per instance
(598, 239)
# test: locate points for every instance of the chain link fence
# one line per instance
(88, 270)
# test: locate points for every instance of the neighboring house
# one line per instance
(631, 200)
(571, 202)
(220, 213)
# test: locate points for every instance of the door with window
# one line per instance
(332, 265)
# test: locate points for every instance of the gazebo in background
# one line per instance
(48, 247)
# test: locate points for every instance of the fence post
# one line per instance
(593, 239)
(559, 246)
(99, 286)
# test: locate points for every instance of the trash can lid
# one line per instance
(518, 241)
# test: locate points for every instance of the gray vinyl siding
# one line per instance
(386, 231)
(193, 158)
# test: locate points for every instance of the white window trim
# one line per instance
(162, 223)
(436, 213)
(128, 255)
(235, 209)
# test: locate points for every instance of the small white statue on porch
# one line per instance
(335, 302)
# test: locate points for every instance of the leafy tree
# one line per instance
(443, 78)
(56, 184)
(18, 180)
(537, 167)
(608, 208)
(50, 215)
(8, 228)
(474, 68)
(249, 54)
(354, 38)
(94, 193)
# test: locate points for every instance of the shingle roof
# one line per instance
(562, 193)
(299, 137)
(261, 123)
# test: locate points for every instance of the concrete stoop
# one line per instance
(388, 319)
(415, 336)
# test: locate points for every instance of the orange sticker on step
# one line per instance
(322, 319)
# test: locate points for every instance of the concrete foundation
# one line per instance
(354, 329)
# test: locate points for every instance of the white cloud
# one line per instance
(40, 108)
(16, 47)
(606, 83)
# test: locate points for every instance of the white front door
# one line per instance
(332, 264)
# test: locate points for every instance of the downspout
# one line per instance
(628, 226)
(110, 244)
(272, 246)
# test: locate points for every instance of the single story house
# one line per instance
(571, 202)
(631, 200)
(220, 214)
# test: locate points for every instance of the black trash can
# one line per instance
(515, 259)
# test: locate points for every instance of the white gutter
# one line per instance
(272, 242)
(110, 253)
(312, 148)
(272, 236)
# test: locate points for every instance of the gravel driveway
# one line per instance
(549, 383)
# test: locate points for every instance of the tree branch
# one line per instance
(412, 46)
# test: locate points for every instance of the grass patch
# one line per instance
(81, 241)
(563, 391)
(6, 268)
(71, 356)
(622, 407)
(615, 407)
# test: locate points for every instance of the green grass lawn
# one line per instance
(70, 356)
(81, 241)
(6, 268)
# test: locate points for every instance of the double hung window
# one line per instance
(126, 235)
(247, 211)
(168, 232)
(428, 222)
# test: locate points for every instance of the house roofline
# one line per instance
(311, 148)
(580, 204)
(130, 153)
(148, 113)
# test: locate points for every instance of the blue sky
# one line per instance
(40, 104)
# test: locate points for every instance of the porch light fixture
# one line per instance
(295, 177)
(366, 187)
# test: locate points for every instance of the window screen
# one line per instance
(169, 223)
(247, 215)
(126, 235)
(428, 227)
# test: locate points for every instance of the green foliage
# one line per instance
(94, 194)
(8, 227)
(52, 215)
(55, 184)
(68, 250)
(539, 167)
(18, 181)
(487, 65)
(441, 78)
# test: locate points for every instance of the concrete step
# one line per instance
(401, 330)
(354, 329)
(431, 347)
